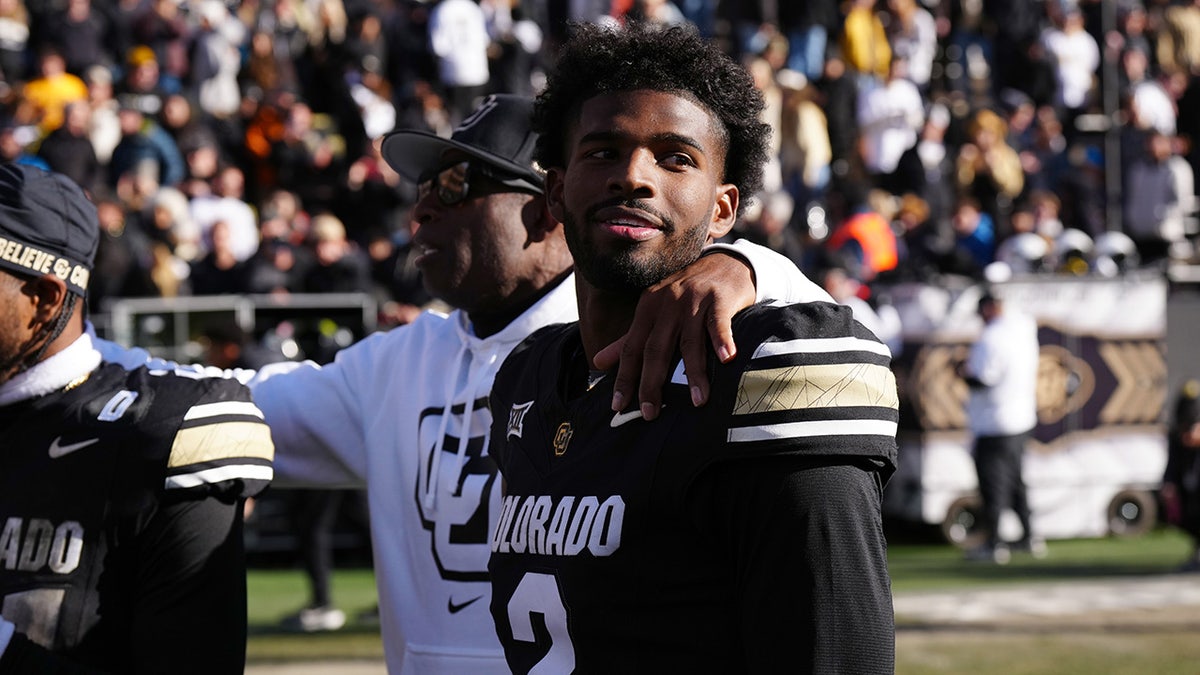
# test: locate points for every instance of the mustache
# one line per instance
(668, 225)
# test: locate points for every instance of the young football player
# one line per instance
(744, 536)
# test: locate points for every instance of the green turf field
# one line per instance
(1162, 643)
(915, 566)
(934, 566)
(273, 594)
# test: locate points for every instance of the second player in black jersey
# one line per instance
(120, 490)
(120, 503)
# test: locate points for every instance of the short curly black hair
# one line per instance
(600, 59)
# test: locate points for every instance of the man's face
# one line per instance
(988, 311)
(1160, 147)
(642, 190)
(15, 320)
(472, 253)
(202, 162)
(966, 219)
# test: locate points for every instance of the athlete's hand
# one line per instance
(680, 313)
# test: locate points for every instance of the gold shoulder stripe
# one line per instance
(838, 385)
(214, 442)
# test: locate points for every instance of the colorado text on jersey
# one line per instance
(538, 525)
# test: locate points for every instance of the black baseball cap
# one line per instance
(498, 132)
(47, 226)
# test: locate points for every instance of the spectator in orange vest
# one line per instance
(865, 240)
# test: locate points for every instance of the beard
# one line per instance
(628, 269)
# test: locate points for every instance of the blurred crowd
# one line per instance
(980, 138)
(231, 146)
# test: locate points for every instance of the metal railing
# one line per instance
(173, 328)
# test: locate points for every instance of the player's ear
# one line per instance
(724, 212)
(539, 222)
(48, 293)
(554, 193)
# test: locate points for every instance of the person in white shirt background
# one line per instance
(1001, 371)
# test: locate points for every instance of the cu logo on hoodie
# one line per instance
(456, 488)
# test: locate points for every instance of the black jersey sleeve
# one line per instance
(190, 616)
(791, 487)
(806, 540)
(190, 612)
(220, 444)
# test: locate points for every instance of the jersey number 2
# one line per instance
(538, 593)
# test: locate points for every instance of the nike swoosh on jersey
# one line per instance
(456, 608)
(623, 417)
(57, 449)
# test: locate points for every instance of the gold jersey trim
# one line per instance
(226, 440)
(810, 387)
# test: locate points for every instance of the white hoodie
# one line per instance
(390, 414)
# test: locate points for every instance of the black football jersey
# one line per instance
(625, 545)
(120, 517)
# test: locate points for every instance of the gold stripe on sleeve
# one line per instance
(214, 442)
(817, 386)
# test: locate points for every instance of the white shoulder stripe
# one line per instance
(821, 346)
(766, 432)
(204, 410)
(220, 473)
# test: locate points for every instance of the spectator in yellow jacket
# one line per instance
(864, 40)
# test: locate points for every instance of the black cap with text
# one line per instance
(47, 226)
(498, 132)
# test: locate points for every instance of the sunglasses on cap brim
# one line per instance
(452, 184)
